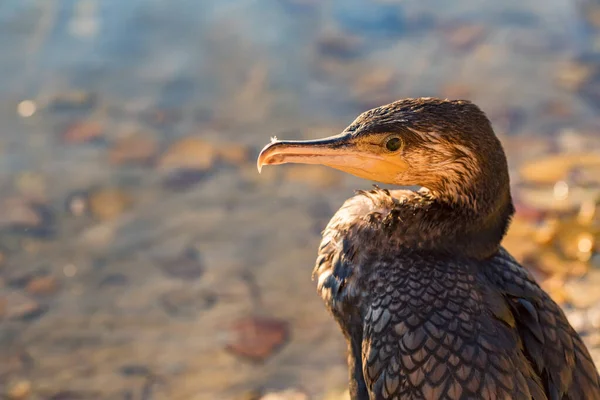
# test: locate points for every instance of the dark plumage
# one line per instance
(430, 303)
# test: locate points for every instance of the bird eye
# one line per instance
(393, 144)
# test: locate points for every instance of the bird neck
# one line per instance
(470, 221)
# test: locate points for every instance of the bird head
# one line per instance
(445, 146)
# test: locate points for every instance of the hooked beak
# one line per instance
(344, 152)
(330, 151)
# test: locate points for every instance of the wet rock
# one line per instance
(19, 390)
(257, 338)
(556, 167)
(83, 132)
(313, 175)
(188, 153)
(135, 149)
(21, 307)
(187, 266)
(42, 286)
(186, 302)
(183, 179)
(109, 203)
(465, 36)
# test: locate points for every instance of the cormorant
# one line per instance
(432, 306)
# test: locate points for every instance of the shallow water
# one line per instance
(127, 310)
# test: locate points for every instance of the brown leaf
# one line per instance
(257, 338)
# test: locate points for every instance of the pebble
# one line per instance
(77, 204)
(109, 203)
(338, 45)
(114, 280)
(31, 185)
(21, 307)
(134, 370)
(257, 338)
(75, 99)
(19, 390)
(186, 302)
(188, 153)
(83, 132)
(26, 108)
(17, 211)
(183, 179)
(135, 149)
(186, 266)
(42, 286)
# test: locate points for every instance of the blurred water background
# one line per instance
(141, 254)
